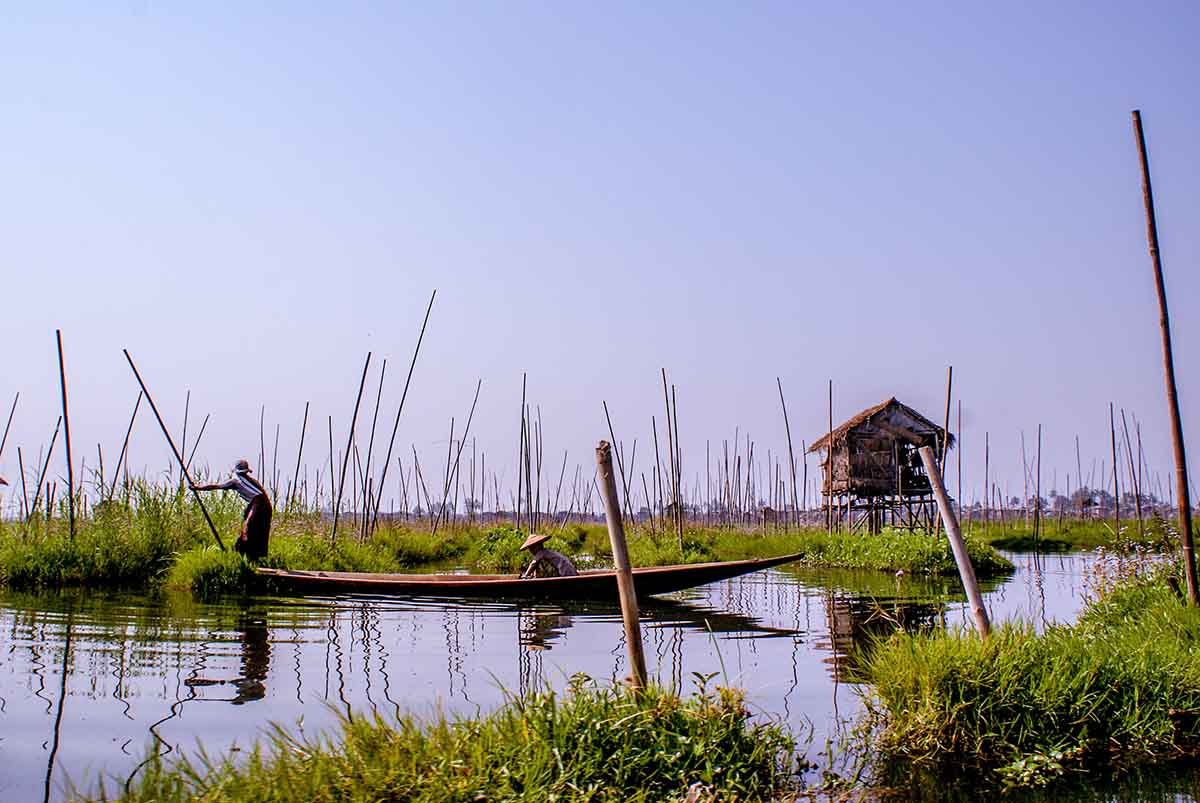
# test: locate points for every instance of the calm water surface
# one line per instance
(90, 683)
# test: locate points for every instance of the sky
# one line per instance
(252, 197)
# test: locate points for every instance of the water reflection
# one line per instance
(256, 656)
(159, 674)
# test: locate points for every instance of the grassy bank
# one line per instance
(160, 537)
(1070, 535)
(1121, 686)
(592, 744)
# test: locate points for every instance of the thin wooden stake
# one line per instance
(392, 441)
(337, 505)
(1164, 321)
(174, 451)
(624, 573)
(62, 380)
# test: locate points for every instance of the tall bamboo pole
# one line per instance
(829, 465)
(62, 380)
(11, 411)
(337, 505)
(174, 451)
(1112, 429)
(1181, 479)
(299, 453)
(125, 445)
(396, 426)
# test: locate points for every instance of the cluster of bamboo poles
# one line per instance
(740, 488)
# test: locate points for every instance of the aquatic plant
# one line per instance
(1121, 685)
(590, 744)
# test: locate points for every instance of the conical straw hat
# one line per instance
(534, 539)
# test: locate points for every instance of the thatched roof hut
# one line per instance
(875, 452)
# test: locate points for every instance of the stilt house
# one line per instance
(873, 474)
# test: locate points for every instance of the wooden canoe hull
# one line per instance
(591, 585)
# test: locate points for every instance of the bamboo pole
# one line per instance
(671, 465)
(337, 505)
(396, 426)
(178, 457)
(458, 455)
(965, 570)
(624, 573)
(299, 453)
(679, 507)
(196, 443)
(37, 489)
(946, 425)
(620, 460)
(125, 445)
(1164, 321)
(829, 466)
(1112, 429)
(1037, 502)
(11, 411)
(958, 471)
(62, 383)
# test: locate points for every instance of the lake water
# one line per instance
(90, 683)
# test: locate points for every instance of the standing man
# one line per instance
(256, 519)
(557, 561)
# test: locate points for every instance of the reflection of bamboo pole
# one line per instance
(625, 587)
(965, 569)
(62, 696)
(1181, 480)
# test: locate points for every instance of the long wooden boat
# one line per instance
(599, 584)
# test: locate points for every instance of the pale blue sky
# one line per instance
(250, 200)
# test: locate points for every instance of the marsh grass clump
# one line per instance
(590, 744)
(1120, 686)
(124, 544)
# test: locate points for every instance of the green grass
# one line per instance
(1122, 685)
(1071, 535)
(159, 536)
(591, 744)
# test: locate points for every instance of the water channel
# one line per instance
(91, 683)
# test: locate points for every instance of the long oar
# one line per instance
(174, 451)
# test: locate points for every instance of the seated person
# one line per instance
(557, 561)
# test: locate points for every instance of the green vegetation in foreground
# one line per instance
(1121, 686)
(593, 744)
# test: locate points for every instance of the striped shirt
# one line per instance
(246, 488)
